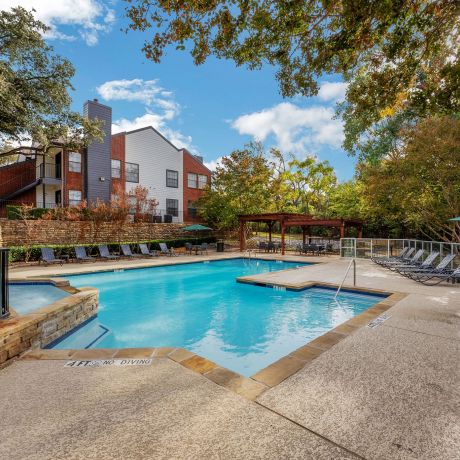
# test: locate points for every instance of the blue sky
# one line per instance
(212, 109)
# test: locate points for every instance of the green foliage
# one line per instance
(19, 253)
(34, 85)
(13, 212)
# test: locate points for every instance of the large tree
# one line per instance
(34, 87)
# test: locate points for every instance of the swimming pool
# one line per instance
(201, 307)
(27, 297)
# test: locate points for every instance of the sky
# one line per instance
(210, 109)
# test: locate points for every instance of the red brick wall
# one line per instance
(118, 153)
(72, 180)
(192, 165)
(14, 177)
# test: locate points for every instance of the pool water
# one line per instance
(27, 297)
(202, 308)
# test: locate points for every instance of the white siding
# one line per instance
(155, 155)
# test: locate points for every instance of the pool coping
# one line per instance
(248, 387)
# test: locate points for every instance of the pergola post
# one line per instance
(283, 230)
(342, 229)
(303, 234)
(360, 231)
(242, 235)
(270, 227)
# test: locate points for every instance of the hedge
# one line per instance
(13, 212)
(17, 253)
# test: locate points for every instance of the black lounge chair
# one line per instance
(48, 256)
(105, 253)
(405, 259)
(146, 252)
(414, 262)
(382, 260)
(80, 254)
(440, 268)
(167, 251)
(434, 278)
(126, 250)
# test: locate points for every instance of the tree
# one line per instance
(419, 185)
(302, 185)
(391, 41)
(240, 185)
(34, 85)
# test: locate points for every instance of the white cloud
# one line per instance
(332, 91)
(89, 18)
(160, 108)
(212, 165)
(295, 129)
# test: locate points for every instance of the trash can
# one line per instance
(220, 246)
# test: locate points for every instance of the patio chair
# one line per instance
(262, 246)
(189, 248)
(400, 256)
(406, 258)
(48, 257)
(434, 278)
(440, 268)
(126, 250)
(167, 251)
(413, 262)
(145, 251)
(80, 254)
(105, 253)
(204, 248)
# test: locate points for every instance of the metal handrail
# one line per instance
(352, 262)
(4, 296)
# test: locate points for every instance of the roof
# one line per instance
(186, 152)
(296, 219)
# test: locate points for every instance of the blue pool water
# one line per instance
(202, 308)
(25, 298)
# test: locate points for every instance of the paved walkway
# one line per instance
(390, 392)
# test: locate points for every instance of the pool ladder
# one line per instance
(352, 262)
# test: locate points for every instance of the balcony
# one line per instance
(49, 173)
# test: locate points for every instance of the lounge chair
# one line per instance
(105, 253)
(48, 256)
(165, 250)
(400, 256)
(126, 250)
(415, 265)
(440, 268)
(413, 262)
(433, 278)
(145, 251)
(80, 254)
(396, 260)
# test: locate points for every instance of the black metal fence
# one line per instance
(4, 299)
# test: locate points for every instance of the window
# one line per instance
(172, 207)
(75, 162)
(202, 181)
(192, 211)
(74, 197)
(192, 180)
(132, 172)
(116, 169)
(172, 178)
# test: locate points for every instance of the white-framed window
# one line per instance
(75, 197)
(172, 207)
(192, 180)
(116, 169)
(202, 181)
(75, 162)
(172, 178)
(132, 172)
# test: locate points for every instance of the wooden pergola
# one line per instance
(304, 221)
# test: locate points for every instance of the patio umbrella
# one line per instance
(456, 219)
(197, 228)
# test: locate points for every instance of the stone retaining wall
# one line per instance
(38, 329)
(16, 232)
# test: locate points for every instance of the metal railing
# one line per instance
(4, 298)
(366, 248)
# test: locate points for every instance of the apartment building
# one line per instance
(173, 177)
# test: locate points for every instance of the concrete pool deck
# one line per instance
(380, 393)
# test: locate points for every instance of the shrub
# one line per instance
(13, 212)
(18, 253)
